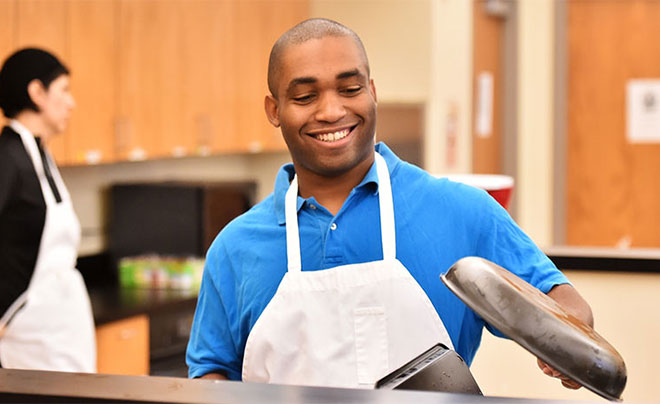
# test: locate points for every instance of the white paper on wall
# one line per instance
(643, 111)
(484, 114)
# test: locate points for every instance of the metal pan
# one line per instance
(539, 324)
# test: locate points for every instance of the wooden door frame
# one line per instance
(560, 122)
(510, 102)
(508, 97)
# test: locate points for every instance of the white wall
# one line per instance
(396, 36)
(448, 146)
(534, 180)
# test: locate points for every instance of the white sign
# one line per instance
(484, 116)
(643, 111)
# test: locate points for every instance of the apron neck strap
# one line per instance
(387, 230)
(386, 217)
(292, 236)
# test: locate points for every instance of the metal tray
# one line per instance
(437, 369)
(539, 324)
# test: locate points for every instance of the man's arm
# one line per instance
(209, 354)
(572, 302)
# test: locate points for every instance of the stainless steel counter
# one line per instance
(39, 386)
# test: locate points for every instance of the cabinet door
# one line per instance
(226, 45)
(43, 23)
(123, 346)
(92, 57)
(7, 24)
(149, 86)
(276, 17)
(260, 24)
(209, 76)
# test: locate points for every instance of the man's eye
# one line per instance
(352, 90)
(303, 98)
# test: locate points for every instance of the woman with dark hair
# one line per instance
(45, 315)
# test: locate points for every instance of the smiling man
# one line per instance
(333, 279)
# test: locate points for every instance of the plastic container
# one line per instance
(153, 271)
(499, 187)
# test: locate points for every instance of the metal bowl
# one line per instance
(539, 324)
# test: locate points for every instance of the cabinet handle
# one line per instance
(204, 130)
(127, 333)
(120, 136)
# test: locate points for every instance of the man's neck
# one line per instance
(331, 192)
(34, 123)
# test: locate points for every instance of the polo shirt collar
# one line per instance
(286, 173)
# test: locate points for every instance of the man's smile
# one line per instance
(332, 135)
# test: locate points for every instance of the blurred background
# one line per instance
(562, 96)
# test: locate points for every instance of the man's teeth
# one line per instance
(332, 137)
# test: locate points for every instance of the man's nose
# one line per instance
(330, 108)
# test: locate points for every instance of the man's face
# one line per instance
(325, 106)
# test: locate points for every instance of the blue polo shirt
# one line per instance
(437, 223)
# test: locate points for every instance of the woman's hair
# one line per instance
(19, 70)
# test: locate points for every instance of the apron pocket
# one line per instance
(370, 344)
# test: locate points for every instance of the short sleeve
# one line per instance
(503, 242)
(212, 346)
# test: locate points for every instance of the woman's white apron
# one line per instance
(51, 327)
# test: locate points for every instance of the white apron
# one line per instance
(346, 326)
(51, 325)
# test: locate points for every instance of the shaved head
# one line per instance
(314, 28)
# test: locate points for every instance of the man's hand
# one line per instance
(573, 303)
(565, 381)
(214, 376)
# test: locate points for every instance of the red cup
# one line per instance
(499, 187)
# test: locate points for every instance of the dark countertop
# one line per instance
(605, 258)
(113, 303)
(38, 386)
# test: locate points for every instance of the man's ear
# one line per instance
(272, 110)
(372, 88)
(37, 92)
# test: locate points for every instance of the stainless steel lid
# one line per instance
(539, 324)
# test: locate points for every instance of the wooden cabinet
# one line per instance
(226, 47)
(156, 79)
(149, 86)
(43, 23)
(265, 22)
(123, 346)
(209, 76)
(280, 16)
(92, 59)
(7, 23)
